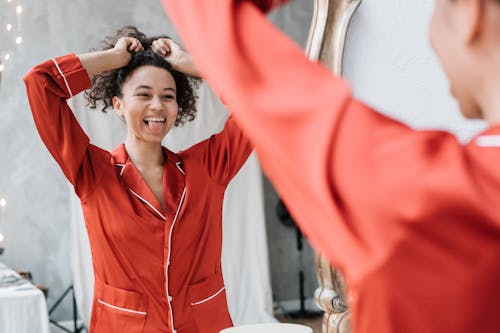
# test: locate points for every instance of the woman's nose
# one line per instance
(157, 103)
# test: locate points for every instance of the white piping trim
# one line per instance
(64, 77)
(180, 168)
(122, 309)
(488, 141)
(121, 166)
(168, 257)
(147, 203)
(209, 298)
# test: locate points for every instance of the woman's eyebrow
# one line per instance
(148, 87)
(142, 87)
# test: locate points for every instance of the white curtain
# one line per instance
(245, 257)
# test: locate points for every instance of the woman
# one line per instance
(153, 216)
(410, 217)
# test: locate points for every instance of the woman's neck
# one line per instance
(490, 103)
(144, 155)
(487, 88)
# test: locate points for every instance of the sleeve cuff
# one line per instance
(70, 74)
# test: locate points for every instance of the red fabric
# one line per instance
(410, 217)
(132, 239)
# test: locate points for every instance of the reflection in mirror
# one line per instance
(141, 220)
(140, 192)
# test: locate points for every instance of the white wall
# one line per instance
(391, 66)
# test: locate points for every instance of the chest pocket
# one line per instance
(117, 310)
(209, 304)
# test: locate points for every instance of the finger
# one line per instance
(156, 48)
(137, 45)
(165, 45)
(130, 44)
(163, 49)
(173, 45)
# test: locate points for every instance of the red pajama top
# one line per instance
(156, 271)
(412, 218)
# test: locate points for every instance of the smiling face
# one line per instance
(148, 103)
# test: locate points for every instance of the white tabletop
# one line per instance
(269, 328)
(22, 306)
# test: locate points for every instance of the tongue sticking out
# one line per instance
(155, 126)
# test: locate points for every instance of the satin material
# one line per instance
(155, 270)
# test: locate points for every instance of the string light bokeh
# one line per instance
(11, 38)
(3, 203)
(11, 12)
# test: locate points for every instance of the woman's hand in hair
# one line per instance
(116, 57)
(180, 59)
(125, 46)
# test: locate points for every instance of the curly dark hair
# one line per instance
(108, 84)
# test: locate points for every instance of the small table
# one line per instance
(22, 306)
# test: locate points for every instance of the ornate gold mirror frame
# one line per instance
(326, 40)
